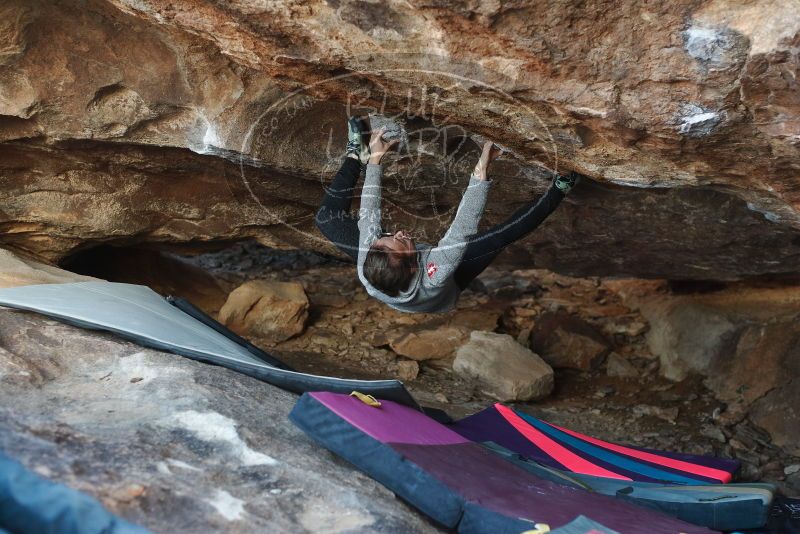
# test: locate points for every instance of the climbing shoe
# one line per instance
(357, 148)
(567, 182)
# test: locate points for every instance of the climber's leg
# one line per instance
(333, 217)
(484, 247)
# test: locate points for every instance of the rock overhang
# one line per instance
(686, 108)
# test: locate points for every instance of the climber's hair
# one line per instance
(389, 272)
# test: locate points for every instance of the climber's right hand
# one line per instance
(378, 146)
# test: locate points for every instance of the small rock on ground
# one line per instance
(270, 310)
(565, 341)
(618, 366)
(506, 370)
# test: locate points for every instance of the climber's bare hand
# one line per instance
(490, 153)
(378, 146)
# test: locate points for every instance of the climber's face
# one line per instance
(399, 243)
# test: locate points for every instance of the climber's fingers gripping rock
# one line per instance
(378, 146)
(489, 153)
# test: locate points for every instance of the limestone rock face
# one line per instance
(505, 369)
(194, 123)
(173, 444)
(274, 311)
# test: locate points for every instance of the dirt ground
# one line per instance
(349, 334)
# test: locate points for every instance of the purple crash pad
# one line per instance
(471, 471)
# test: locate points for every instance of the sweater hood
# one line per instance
(404, 296)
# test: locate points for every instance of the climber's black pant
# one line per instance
(341, 228)
(483, 247)
(333, 216)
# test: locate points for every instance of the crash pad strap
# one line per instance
(190, 309)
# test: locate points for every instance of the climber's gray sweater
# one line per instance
(433, 289)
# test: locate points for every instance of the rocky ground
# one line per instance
(612, 388)
(168, 442)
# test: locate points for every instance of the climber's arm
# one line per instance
(445, 257)
(369, 215)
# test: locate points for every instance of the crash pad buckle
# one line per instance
(538, 528)
(369, 400)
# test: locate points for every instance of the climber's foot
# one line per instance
(357, 148)
(567, 182)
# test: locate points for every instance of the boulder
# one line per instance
(505, 369)
(270, 310)
(762, 375)
(434, 337)
(173, 444)
(687, 336)
(745, 342)
(566, 341)
(428, 343)
(778, 412)
(765, 357)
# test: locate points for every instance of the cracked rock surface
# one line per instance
(174, 444)
(197, 122)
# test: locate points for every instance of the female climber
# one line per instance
(409, 276)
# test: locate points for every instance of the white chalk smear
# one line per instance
(698, 122)
(163, 468)
(227, 505)
(691, 120)
(182, 465)
(139, 365)
(212, 426)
